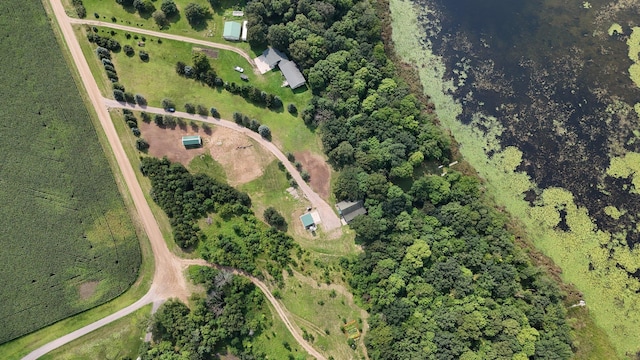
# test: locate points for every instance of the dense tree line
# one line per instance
(105, 42)
(440, 274)
(225, 320)
(185, 197)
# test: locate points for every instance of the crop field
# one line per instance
(157, 79)
(68, 241)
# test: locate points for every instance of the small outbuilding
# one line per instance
(192, 141)
(232, 31)
(294, 77)
(348, 210)
(308, 222)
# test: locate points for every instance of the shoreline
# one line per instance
(564, 262)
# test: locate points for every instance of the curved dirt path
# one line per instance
(168, 280)
(330, 220)
(163, 35)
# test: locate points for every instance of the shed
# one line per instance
(232, 31)
(192, 141)
(308, 222)
(294, 77)
(244, 30)
(348, 210)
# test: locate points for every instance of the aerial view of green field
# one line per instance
(68, 242)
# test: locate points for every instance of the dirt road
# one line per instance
(163, 35)
(168, 279)
(330, 220)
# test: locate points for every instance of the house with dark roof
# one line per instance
(349, 210)
(271, 57)
(294, 77)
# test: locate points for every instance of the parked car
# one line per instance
(171, 110)
(238, 69)
(244, 77)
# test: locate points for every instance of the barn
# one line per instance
(232, 31)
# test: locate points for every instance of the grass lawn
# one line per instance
(119, 340)
(211, 29)
(318, 309)
(205, 164)
(157, 80)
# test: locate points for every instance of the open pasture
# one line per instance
(68, 243)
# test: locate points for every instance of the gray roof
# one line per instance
(350, 209)
(272, 57)
(291, 73)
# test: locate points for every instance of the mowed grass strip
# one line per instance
(210, 29)
(157, 79)
(68, 241)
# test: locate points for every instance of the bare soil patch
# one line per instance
(168, 142)
(319, 170)
(87, 289)
(213, 54)
(242, 158)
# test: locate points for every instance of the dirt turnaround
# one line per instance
(319, 171)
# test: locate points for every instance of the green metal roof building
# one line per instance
(192, 141)
(232, 31)
(307, 221)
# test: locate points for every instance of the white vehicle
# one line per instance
(238, 69)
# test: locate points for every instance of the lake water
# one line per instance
(559, 84)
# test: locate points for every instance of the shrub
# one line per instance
(81, 11)
(201, 110)
(130, 98)
(158, 119)
(195, 13)
(142, 144)
(103, 53)
(293, 183)
(145, 117)
(291, 157)
(117, 86)
(254, 125)
(160, 18)
(168, 103)
(180, 68)
(118, 95)
(305, 175)
(143, 55)
(128, 49)
(292, 109)
(237, 118)
(273, 217)
(131, 124)
(170, 121)
(143, 6)
(140, 100)
(214, 112)
(264, 131)
(135, 131)
(96, 15)
(169, 8)
(190, 108)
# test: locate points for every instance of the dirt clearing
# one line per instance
(242, 158)
(319, 171)
(87, 289)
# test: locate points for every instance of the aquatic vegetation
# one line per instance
(597, 262)
(613, 212)
(614, 29)
(627, 166)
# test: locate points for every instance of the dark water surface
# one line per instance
(548, 70)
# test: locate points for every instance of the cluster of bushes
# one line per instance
(80, 9)
(201, 70)
(185, 197)
(131, 121)
(252, 124)
(105, 42)
(105, 58)
(254, 95)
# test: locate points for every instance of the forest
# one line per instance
(185, 197)
(232, 312)
(440, 274)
